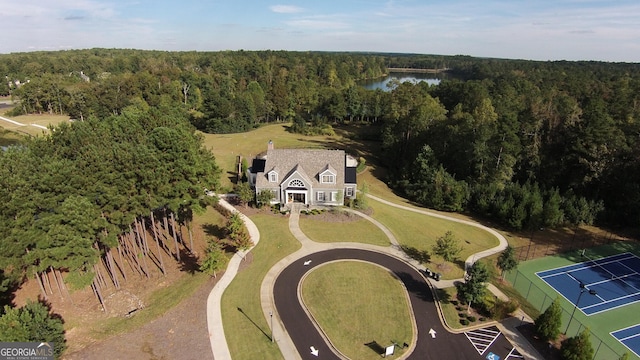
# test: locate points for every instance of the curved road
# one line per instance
(303, 332)
(288, 311)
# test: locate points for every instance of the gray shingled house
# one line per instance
(307, 176)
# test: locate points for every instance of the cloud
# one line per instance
(311, 24)
(74, 17)
(286, 9)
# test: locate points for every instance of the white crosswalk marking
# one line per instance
(482, 339)
(514, 354)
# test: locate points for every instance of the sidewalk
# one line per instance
(287, 348)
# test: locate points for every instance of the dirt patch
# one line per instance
(181, 333)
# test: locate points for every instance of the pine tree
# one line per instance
(33, 322)
(548, 324)
(507, 260)
(214, 258)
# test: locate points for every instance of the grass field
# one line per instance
(247, 332)
(33, 125)
(540, 295)
(421, 231)
(358, 230)
(356, 304)
(227, 147)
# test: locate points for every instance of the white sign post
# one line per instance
(389, 350)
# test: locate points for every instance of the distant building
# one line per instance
(84, 77)
(307, 176)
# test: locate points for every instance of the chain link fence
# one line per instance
(540, 300)
(583, 241)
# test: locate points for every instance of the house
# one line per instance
(306, 176)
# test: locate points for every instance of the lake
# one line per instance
(382, 83)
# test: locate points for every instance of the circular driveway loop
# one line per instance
(303, 332)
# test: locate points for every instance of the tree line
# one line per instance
(528, 143)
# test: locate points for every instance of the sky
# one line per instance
(603, 30)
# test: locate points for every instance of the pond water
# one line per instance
(385, 84)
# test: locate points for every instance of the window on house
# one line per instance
(296, 183)
(328, 179)
(334, 196)
(320, 196)
(273, 177)
(349, 191)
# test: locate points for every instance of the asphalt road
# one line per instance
(304, 334)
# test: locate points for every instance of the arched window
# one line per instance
(296, 183)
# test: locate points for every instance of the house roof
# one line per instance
(257, 165)
(307, 162)
(350, 175)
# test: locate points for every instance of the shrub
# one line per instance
(548, 324)
(362, 164)
(464, 321)
(471, 318)
(462, 315)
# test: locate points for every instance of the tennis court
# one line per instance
(597, 285)
(629, 337)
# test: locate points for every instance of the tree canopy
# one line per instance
(69, 195)
(527, 143)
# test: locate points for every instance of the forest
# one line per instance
(79, 202)
(528, 144)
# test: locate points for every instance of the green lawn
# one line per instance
(247, 332)
(33, 123)
(360, 230)
(356, 304)
(420, 231)
(540, 295)
(226, 147)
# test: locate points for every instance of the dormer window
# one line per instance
(328, 179)
(328, 176)
(273, 176)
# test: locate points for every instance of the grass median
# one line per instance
(360, 306)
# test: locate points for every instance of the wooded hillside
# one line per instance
(528, 143)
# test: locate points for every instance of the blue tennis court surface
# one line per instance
(629, 337)
(607, 283)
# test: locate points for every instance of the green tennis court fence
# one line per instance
(541, 301)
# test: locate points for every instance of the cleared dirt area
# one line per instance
(160, 316)
(180, 334)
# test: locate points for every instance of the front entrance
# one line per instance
(297, 196)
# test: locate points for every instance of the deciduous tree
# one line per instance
(447, 247)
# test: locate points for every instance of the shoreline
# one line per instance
(416, 70)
